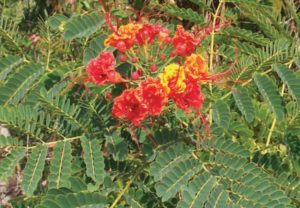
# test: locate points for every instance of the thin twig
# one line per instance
(51, 144)
(212, 52)
(125, 189)
(275, 120)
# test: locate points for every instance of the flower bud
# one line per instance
(135, 75)
(111, 74)
(162, 56)
(173, 53)
(121, 46)
(153, 68)
(134, 60)
(122, 58)
(140, 71)
(108, 96)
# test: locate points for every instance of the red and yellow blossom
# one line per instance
(164, 35)
(136, 33)
(102, 69)
(125, 37)
(147, 34)
(136, 104)
(153, 95)
(192, 97)
(196, 68)
(184, 43)
(129, 106)
(178, 82)
(172, 79)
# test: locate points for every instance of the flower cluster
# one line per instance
(148, 99)
(152, 94)
(184, 43)
(182, 82)
(164, 68)
(124, 38)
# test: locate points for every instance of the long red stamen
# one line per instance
(222, 75)
(108, 17)
(203, 33)
(102, 4)
(108, 21)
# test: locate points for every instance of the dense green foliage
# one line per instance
(71, 153)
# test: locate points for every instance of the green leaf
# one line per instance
(201, 4)
(74, 200)
(20, 84)
(95, 47)
(246, 35)
(187, 14)
(297, 61)
(60, 169)
(9, 34)
(82, 26)
(62, 105)
(221, 113)
(168, 159)
(218, 198)
(23, 119)
(93, 159)
(77, 184)
(279, 51)
(134, 199)
(34, 169)
(240, 129)
(117, 147)
(8, 164)
(262, 15)
(277, 6)
(9, 141)
(176, 178)
(198, 191)
(57, 21)
(268, 90)
(244, 102)
(289, 79)
(227, 146)
(7, 64)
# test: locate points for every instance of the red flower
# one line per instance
(173, 79)
(192, 97)
(114, 77)
(164, 35)
(184, 43)
(34, 39)
(128, 106)
(153, 95)
(124, 38)
(102, 69)
(196, 68)
(147, 34)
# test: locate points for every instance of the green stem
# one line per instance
(48, 50)
(125, 189)
(50, 144)
(211, 58)
(273, 122)
(271, 132)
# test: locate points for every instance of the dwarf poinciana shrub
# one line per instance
(145, 104)
(178, 77)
